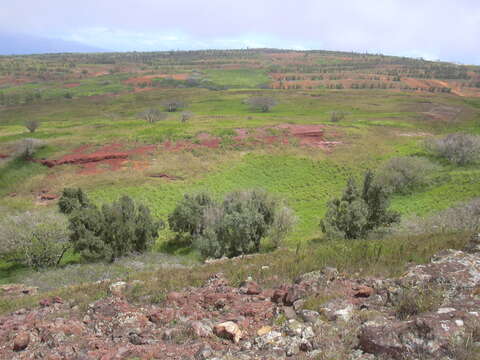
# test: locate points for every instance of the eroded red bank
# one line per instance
(114, 156)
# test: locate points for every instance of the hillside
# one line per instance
(297, 124)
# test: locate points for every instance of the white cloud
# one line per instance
(435, 28)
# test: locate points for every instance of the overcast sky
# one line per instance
(433, 29)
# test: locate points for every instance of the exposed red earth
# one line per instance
(115, 157)
(112, 156)
(71, 85)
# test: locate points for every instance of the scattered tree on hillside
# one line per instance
(337, 116)
(173, 105)
(358, 212)
(261, 103)
(152, 115)
(186, 115)
(32, 125)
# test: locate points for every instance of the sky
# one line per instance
(433, 29)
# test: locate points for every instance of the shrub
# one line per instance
(404, 174)
(152, 115)
(234, 227)
(173, 105)
(115, 230)
(261, 103)
(187, 218)
(32, 125)
(73, 199)
(418, 300)
(337, 116)
(461, 218)
(358, 212)
(459, 148)
(26, 148)
(36, 239)
(186, 115)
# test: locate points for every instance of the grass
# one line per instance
(238, 78)
(388, 257)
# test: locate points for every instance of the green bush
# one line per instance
(38, 240)
(405, 174)
(261, 103)
(358, 212)
(115, 230)
(187, 218)
(233, 227)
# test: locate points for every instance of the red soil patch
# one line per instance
(112, 157)
(305, 135)
(3, 156)
(204, 140)
(72, 85)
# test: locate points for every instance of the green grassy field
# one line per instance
(376, 127)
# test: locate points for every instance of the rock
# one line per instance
(345, 314)
(250, 288)
(363, 292)
(292, 295)
(201, 329)
(289, 312)
(228, 330)
(264, 330)
(279, 295)
(17, 290)
(21, 341)
(309, 316)
(50, 301)
(118, 288)
(298, 305)
(204, 353)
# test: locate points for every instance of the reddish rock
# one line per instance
(48, 197)
(175, 297)
(363, 292)
(250, 288)
(279, 295)
(21, 341)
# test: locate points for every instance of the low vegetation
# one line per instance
(261, 103)
(406, 174)
(115, 230)
(234, 226)
(458, 148)
(36, 239)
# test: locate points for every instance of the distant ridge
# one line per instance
(17, 44)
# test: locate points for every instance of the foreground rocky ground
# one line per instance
(432, 312)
